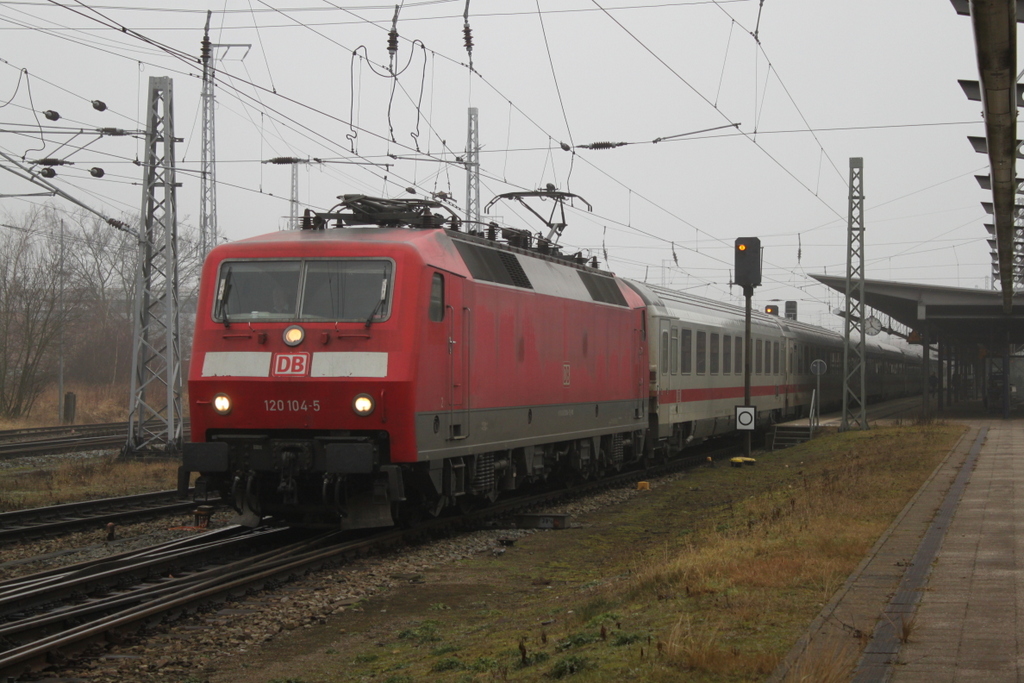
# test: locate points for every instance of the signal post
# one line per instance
(748, 275)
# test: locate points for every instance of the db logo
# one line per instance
(290, 365)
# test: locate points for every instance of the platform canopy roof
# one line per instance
(968, 315)
(995, 38)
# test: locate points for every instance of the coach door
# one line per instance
(459, 350)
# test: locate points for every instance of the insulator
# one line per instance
(96, 172)
(113, 131)
(603, 145)
(467, 36)
(50, 161)
(51, 115)
(99, 105)
(393, 33)
(284, 160)
(566, 147)
(410, 190)
(48, 173)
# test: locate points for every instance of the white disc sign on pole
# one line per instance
(746, 418)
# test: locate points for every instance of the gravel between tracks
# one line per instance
(193, 648)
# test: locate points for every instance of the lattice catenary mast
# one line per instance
(154, 423)
(208, 162)
(854, 408)
(473, 170)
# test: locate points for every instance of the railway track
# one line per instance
(16, 443)
(21, 525)
(53, 615)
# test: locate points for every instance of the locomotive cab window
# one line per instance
(350, 290)
(436, 312)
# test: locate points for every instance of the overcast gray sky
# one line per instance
(827, 81)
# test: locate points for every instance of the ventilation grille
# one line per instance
(493, 265)
(515, 270)
(602, 288)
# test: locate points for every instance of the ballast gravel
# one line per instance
(190, 648)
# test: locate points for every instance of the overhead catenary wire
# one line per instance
(762, 132)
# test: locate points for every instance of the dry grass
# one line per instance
(745, 564)
(94, 404)
(68, 482)
(832, 663)
(693, 648)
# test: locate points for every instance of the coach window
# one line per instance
(726, 355)
(714, 353)
(436, 312)
(702, 352)
(757, 358)
(674, 350)
(664, 352)
(739, 355)
(775, 357)
(686, 352)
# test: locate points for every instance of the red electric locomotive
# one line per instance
(395, 365)
(381, 361)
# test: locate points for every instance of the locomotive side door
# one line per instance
(640, 370)
(458, 314)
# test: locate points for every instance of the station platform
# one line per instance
(940, 596)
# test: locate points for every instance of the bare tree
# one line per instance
(72, 272)
(100, 269)
(30, 313)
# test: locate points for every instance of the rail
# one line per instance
(16, 443)
(19, 525)
(35, 640)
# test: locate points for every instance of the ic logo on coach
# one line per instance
(290, 365)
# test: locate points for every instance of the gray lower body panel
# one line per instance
(465, 432)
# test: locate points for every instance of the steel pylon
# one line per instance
(473, 170)
(155, 421)
(208, 161)
(854, 356)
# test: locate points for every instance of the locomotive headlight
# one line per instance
(363, 404)
(294, 335)
(222, 404)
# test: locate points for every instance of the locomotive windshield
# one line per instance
(334, 290)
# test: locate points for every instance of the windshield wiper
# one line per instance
(222, 298)
(383, 296)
